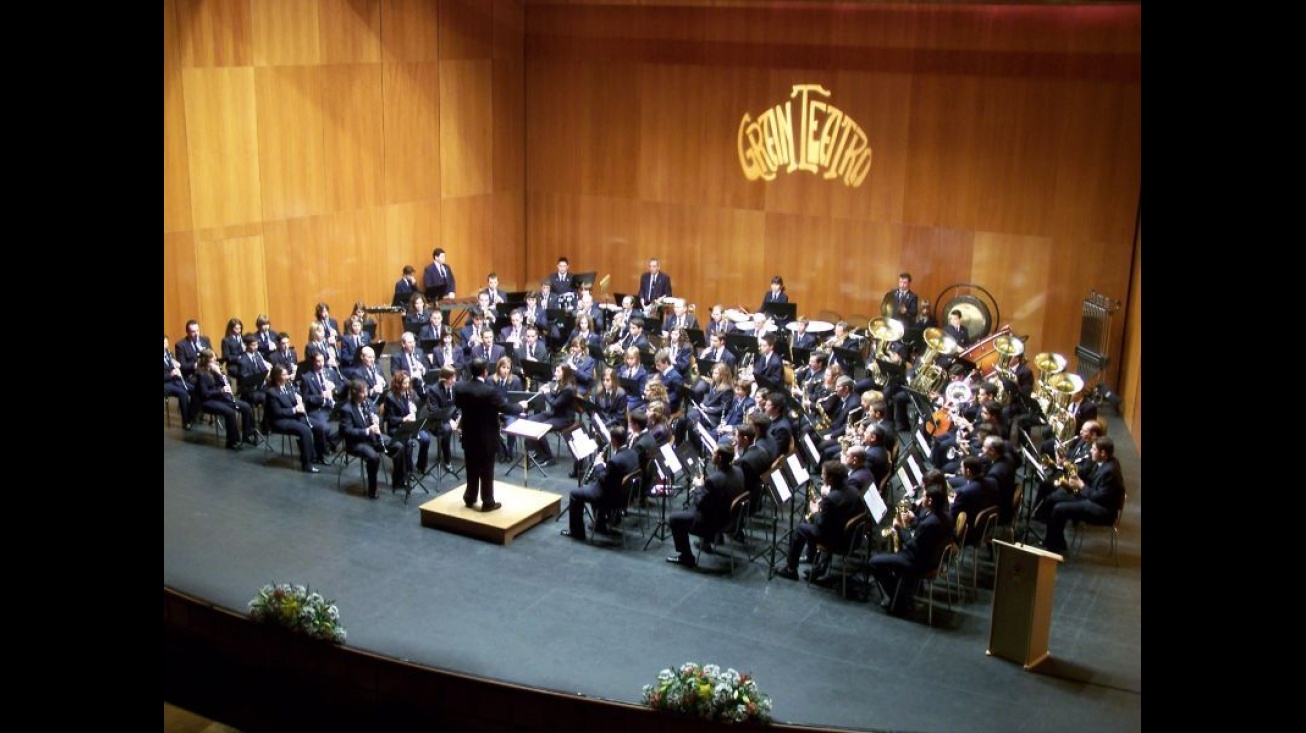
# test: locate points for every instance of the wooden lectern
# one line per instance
(1022, 603)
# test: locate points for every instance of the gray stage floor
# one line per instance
(551, 612)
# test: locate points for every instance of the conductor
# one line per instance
(481, 404)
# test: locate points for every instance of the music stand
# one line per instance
(400, 300)
(405, 433)
(429, 346)
(741, 343)
(584, 279)
(631, 386)
(540, 371)
(516, 297)
(663, 461)
(768, 385)
(652, 325)
(696, 337)
(527, 429)
(439, 418)
(801, 354)
(893, 373)
(783, 312)
(503, 310)
(705, 437)
(849, 359)
(780, 493)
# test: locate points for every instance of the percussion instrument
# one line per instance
(737, 316)
(812, 326)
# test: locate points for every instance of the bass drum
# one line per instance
(975, 315)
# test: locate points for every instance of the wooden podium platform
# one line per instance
(522, 509)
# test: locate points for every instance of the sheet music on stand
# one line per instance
(922, 442)
(671, 460)
(907, 487)
(875, 503)
(581, 444)
(780, 491)
(1034, 463)
(602, 428)
(916, 470)
(809, 448)
(797, 471)
(705, 435)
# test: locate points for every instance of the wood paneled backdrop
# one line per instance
(314, 147)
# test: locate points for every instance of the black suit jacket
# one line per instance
(836, 508)
(610, 474)
(719, 489)
(188, 353)
(927, 544)
(905, 305)
(481, 404)
(1107, 487)
(660, 288)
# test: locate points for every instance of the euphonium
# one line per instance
(930, 376)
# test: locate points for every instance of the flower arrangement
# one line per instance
(300, 609)
(707, 692)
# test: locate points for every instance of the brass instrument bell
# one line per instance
(1008, 346)
(1049, 363)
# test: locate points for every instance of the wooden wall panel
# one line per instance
(222, 146)
(467, 160)
(1015, 270)
(290, 123)
(349, 31)
(466, 29)
(285, 32)
(410, 30)
(294, 260)
(466, 227)
(414, 230)
(1130, 384)
(508, 136)
(176, 182)
(411, 109)
(180, 301)
(215, 32)
(352, 135)
(229, 281)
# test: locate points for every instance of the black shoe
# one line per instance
(421, 470)
(790, 573)
(469, 504)
(491, 507)
(567, 533)
(707, 547)
(312, 469)
(572, 474)
(679, 560)
(252, 439)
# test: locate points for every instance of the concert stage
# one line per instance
(522, 509)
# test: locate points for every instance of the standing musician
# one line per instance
(898, 572)
(606, 492)
(776, 294)
(610, 399)
(214, 393)
(399, 407)
(361, 427)
(492, 290)
(905, 302)
(710, 502)
(287, 415)
(321, 385)
(176, 385)
(841, 502)
(957, 329)
(251, 371)
(411, 359)
(405, 286)
(1095, 501)
(437, 278)
(653, 285)
(562, 281)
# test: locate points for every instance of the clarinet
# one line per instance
(589, 472)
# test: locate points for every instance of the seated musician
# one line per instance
(176, 385)
(284, 355)
(559, 411)
(841, 502)
(768, 365)
(251, 371)
(367, 371)
(448, 355)
(719, 324)
(633, 370)
(580, 361)
(671, 379)
(845, 400)
(435, 328)
(634, 338)
(285, 414)
(361, 427)
(535, 312)
(682, 352)
(776, 405)
(355, 339)
(1095, 501)
(440, 396)
(267, 338)
(321, 387)
(233, 343)
(680, 318)
(610, 399)
(532, 348)
(515, 332)
(1002, 469)
(875, 452)
(359, 312)
(801, 338)
(214, 393)
(505, 381)
(400, 406)
(584, 330)
(493, 290)
(710, 502)
(411, 359)
(977, 493)
(605, 492)
(486, 348)
(927, 536)
(585, 306)
(189, 348)
(471, 333)
(318, 343)
(716, 350)
(740, 408)
(716, 403)
(416, 316)
(754, 462)
(860, 475)
(1074, 458)
(330, 327)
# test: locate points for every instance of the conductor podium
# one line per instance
(1022, 603)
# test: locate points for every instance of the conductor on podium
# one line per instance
(481, 404)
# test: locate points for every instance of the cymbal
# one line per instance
(1050, 363)
(1008, 346)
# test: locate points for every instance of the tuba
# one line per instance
(1063, 388)
(1049, 365)
(930, 376)
(1007, 346)
(885, 331)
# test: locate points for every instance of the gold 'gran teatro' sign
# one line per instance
(827, 140)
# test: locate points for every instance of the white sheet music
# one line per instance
(797, 471)
(582, 445)
(876, 504)
(781, 487)
(671, 459)
(922, 442)
(603, 430)
(904, 480)
(705, 435)
(915, 470)
(813, 454)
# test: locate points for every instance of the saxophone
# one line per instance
(893, 533)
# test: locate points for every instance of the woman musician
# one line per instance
(585, 330)
(399, 407)
(610, 399)
(634, 371)
(319, 343)
(719, 398)
(560, 410)
(505, 381)
(286, 415)
(581, 363)
(215, 395)
(682, 352)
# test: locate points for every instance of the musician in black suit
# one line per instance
(481, 404)
(753, 460)
(718, 323)
(875, 443)
(653, 285)
(957, 330)
(768, 364)
(1076, 453)
(580, 361)
(233, 343)
(826, 526)
(417, 314)
(898, 573)
(781, 431)
(401, 406)
(285, 414)
(905, 302)
(560, 282)
(435, 328)
(440, 396)
(860, 475)
(361, 427)
(411, 359)
(486, 349)
(801, 339)
(437, 278)
(978, 493)
(710, 504)
(369, 373)
(1002, 469)
(776, 293)
(330, 327)
(352, 342)
(251, 371)
(284, 355)
(534, 312)
(493, 290)
(671, 379)
(610, 399)
(634, 337)
(214, 393)
(448, 355)
(559, 411)
(1095, 501)
(321, 387)
(176, 385)
(716, 350)
(189, 348)
(605, 492)
(680, 318)
(405, 286)
(267, 338)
